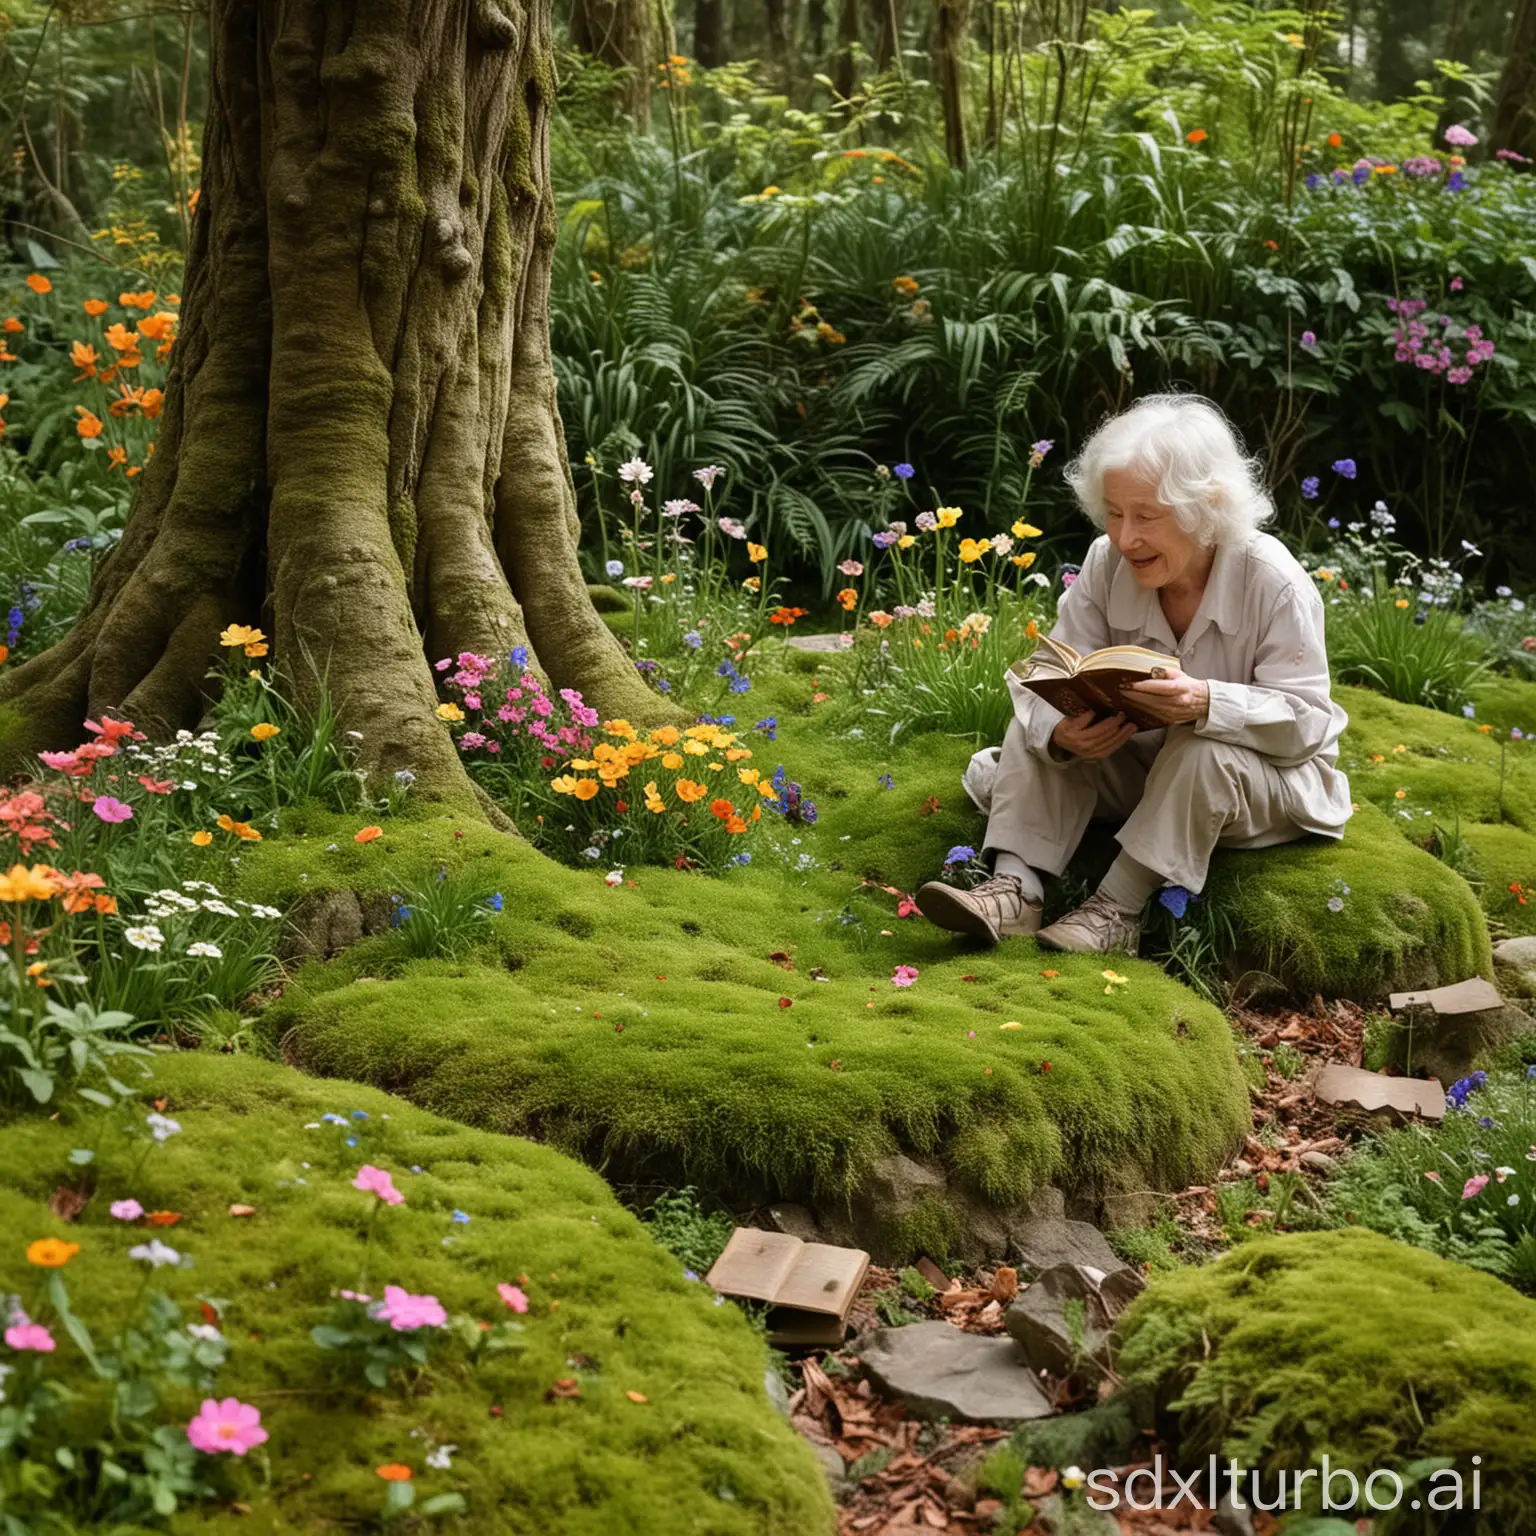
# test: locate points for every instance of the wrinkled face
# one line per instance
(1146, 533)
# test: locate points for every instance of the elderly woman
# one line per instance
(1248, 754)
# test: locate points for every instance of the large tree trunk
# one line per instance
(1514, 115)
(950, 23)
(709, 33)
(360, 449)
(617, 33)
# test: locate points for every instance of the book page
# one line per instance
(755, 1264)
(823, 1279)
(1131, 658)
(1053, 656)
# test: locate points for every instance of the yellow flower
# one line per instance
(620, 728)
(1323, 575)
(1377, 757)
(766, 790)
(653, 800)
(586, 788)
(1025, 560)
(948, 516)
(1402, 602)
(265, 731)
(752, 583)
(36, 970)
(51, 1252)
(242, 634)
(449, 712)
(202, 839)
(564, 785)
(689, 791)
(972, 550)
(756, 552)
(749, 775)
(1399, 748)
(1023, 530)
(1401, 794)
(22, 884)
(672, 760)
(906, 541)
(665, 736)
(696, 748)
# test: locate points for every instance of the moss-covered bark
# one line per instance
(361, 449)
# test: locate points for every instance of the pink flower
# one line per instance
(513, 1297)
(379, 1183)
(127, 1210)
(63, 761)
(903, 975)
(30, 1335)
(404, 1312)
(1068, 577)
(1431, 1174)
(111, 810)
(1474, 1186)
(354, 1296)
(906, 907)
(1457, 285)
(1462, 138)
(227, 1426)
(852, 567)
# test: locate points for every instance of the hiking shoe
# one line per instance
(1096, 927)
(994, 910)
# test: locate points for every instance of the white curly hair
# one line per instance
(1185, 447)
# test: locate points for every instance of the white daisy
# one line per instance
(221, 907)
(148, 937)
(205, 951)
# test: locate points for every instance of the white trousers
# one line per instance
(1179, 799)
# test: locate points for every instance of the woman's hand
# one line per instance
(1173, 697)
(1078, 735)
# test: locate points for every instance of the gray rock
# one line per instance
(1319, 1162)
(1232, 1521)
(323, 924)
(941, 1373)
(797, 1222)
(832, 1465)
(1037, 1319)
(778, 1394)
(1053, 1518)
(815, 643)
(1039, 1245)
(1514, 963)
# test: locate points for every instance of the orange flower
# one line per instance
(85, 358)
(76, 891)
(38, 283)
(721, 810)
(157, 327)
(393, 1472)
(1031, 631)
(586, 788)
(689, 791)
(265, 731)
(1271, 245)
(786, 616)
(94, 307)
(849, 598)
(1197, 136)
(736, 824)
(906, 286)
(150, 405)
(137, 300)
(163, 1218)
(129, 399)
(368, 834)
(116, 458)
(1335, 140)
(120, 338)
(202, 839)
(51, 1252)
(11, 324)
(106, 906)
(88, 425)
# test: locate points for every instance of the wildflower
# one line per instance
(148, 937)
(708, 475)
(1461, 137)
(849, 598)
(405, 1312)
(946, 517)
(1335, 903)
(368, 834)
(1024, 529)
(961, 853)
(1073, 1478)
(51, 1252)
(971, 550)
(1474, 1186)
(203, 950)
(614, 568)
(732, 528)
(513, 1296)
(155, 1253)
(1175, 899)
(689, 790)
(1308, 338)
(756, 553)
(449, 711)
(614, 877)
(229, 1425)
(27, 1335)
(904, 975)
(162, 1128)
(125, 1210)
(394, 1472)
(885, 781)
(22, 884)
(253, 640)
(38, 283)
(635, 472)
(903, 471)
(1196, 136)
(1335, 140)
(89, 425)
(677, 508)
(1345, 467)
(265, 731)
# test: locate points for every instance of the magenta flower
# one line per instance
(1309, 338)
(30, 1335)
(1457, 285)
(903, 975)
(405, 1312)
(513, 1297)
(109, 809)
(1474, 1186)
(126, 1210)
(227, 1426)
(378, 1182)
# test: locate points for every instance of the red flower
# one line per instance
(157, 786)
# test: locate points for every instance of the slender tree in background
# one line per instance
(709, 33)
(360, 450)
(1514, 115)
(619, 33)
(950, 22)
(845, 73)
(888, 40)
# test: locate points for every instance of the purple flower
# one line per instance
(885, 781)
(961, 853)
(1308, 339)
(1176, 899)
(1314, 181)
(902, 471)
(1345, 467)
(1456, 182)
(1309, 487)
(1457, 285)
(1333, 522)
(1361, 174)
(1462, 138)
(885, 540)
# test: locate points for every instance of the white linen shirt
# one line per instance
(1256, 640)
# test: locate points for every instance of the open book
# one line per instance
(809, 1286)
(1098, 681)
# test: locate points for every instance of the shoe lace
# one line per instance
(1101, 905)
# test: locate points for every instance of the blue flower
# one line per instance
(461, 1217)
(1314, 181)
(727, 720)
(742, 858)
(885, 781)
(495, 901)
(961, 853)
(726, 669)
(359, 1114)
(902, 471)
(1486, 1122)
(351, 1141)
(663, 686)
(593, 853)
(769, 727)
(334, 1119)
(519, 655)
(1469, 710)
(1530, 1071)
(1176, 899)
(1457, 1094)
(615, 567)
(76, 544)
(741, 684)
(404, 778)
(1345, 467)
(14, 617)
(1333, 522)
(1309, 488)
(886, 539)
(693, 639)
(1360, 175)
(808, 812)
(1456, 182)
(688, 1274)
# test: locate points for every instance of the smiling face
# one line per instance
(1158, 551)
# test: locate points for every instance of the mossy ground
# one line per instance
(706, 1452)
(1346, 1342)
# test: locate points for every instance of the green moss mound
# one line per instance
(707, 1451)
(1347, 1343)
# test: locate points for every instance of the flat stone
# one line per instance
(1052, 1518)
(832, 1465)
(816, 643)
(941, 1373)
(1404, 1097)
(796, 1221)
(1447, 1030)
(1319, 1162)
(1039, 1245)
(778, 1393)
(1514, 961)
(1231, 1520)
(1037, 1318)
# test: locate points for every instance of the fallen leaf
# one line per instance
(1050, 975)
(163, 1218)
(780, 958)
(1005, 1284)
(637, 1397)
(661, 978)
(161, 1105)
(66, 1202)
(836, 1064)
(970, 978)
(1039, 1481)
(567, 1386)
(929, 806)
